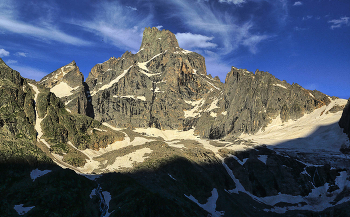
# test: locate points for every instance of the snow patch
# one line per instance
(93, 193)
(212, 105)
(213, 114)
(186, 51)
(139, 50)
(280, 85)
(92, 164)
(176, 144)
(37, 173)
(63, 89)
(168, 135)
(143, 65)
(149, 74)
(38, 120)
(128, 160)
(111, 83)
(210, 206)
(263, 158)
(171, 177)
(241, 162)
(278, 132)
(107, 197)
(110, 126)
(212, 85)
(21, 210)
(131, 96)
(194, 111)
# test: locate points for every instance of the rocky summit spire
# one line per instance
(155, 41)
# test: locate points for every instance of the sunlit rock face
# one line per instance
(167, 87)
(152, 88)
(67, 83)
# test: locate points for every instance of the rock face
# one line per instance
(166, 87)
(160, 86)
(344, 121)
(67, 83)
(252, 100)
(17, 119)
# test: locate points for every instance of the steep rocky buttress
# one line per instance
(67, 83)
(153, 87)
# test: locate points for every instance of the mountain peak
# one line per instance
(70, 73)
(155, 41)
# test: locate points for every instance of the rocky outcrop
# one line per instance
(31, 116)
(263, 173)
(344, 121)
(67, 83)
(252, 100)
(17, 119)
(157, 87)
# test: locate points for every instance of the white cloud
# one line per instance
(216, 67)
(236, 2)
(189, 40)
(308, 17)
(118, 25)
(43, 33)
(42, 27)
(339, 23)
(300, 28)
(132, 8)
(21, 54)
(29, 72)
(4, 53)
(11, 61)
(298, 3)
(253, 41)
(229, 33)
(159, 27)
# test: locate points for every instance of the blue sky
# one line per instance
(305, 42)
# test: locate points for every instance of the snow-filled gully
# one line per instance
(39, 131)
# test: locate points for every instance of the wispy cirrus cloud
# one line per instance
(236, 2)
(229, 32)
(11, 61)
(4, 53)
(21, 54)
(40, 28)
(253, 41)
(298, 3)
(189, 40)
(118, 24)
(132, 8)
(337, 23)
(40, 32)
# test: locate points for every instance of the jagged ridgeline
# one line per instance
(31, 114)
(162, 98)
(17, 119)
(167, 87)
